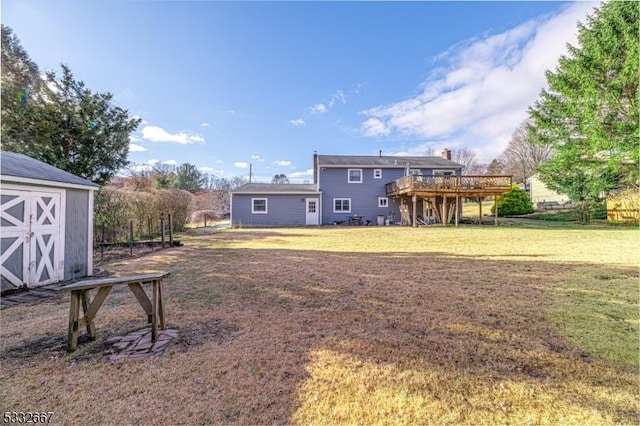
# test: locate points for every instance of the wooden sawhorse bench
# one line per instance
(80, 295)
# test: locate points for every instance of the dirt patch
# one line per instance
(197, 334)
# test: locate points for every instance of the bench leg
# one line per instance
(74, 319)
(161, 305)
(91, 328)
(154, 312)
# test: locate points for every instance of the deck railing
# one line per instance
(469, 183)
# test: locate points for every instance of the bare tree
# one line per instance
(139, 178)
(467, 157)
(522, 156)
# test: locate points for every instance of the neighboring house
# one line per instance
(345, 187)
(543, 197)
(47, 223)
(624, 205)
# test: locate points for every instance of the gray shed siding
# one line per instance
(76, 234)
(282, 210)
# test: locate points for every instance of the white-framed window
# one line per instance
(259, 205)
(443, 172)
(355, 175)
(415, 172)
(377, 173)
(342, 205)
(383, 202)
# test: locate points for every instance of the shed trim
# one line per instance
(49, 183)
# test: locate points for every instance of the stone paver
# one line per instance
(138, 344)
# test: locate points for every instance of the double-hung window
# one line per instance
(342, 205)
(259, 205)
(377, 173)
(355, 175)
(383, 202)
(443, 172)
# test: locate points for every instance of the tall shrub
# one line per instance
(178, 203)
(514, 202)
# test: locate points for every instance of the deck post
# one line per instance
(415, 203)
(445, 215)
(457, 209)
(495, 200)
(480, 206)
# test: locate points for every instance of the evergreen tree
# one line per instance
(280, 178)
(589, 115)
(189, 178)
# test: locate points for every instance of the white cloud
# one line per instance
(374, 127)
(306, 173)
(282, 163)
(257, 158)
(231, 111)
(170, 162)
(136, 148)
(158, 134)
(241, 165)
(141, 168)
(297, 122)
(338, 96)
(480, 90)
(134, 139)
(211, 170)
(205, 125)
(319, 108)
(153, 161)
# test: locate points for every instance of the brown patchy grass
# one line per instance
(349, 326)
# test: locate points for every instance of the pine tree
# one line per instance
(589, 115)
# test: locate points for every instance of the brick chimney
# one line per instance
(446, 154)
(315, 167)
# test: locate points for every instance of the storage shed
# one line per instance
(46, 223)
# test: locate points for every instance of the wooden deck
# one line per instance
(440, 196)
(451, 186)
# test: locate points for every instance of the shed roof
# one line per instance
(276, 188)
(386, 161)
(21, 168)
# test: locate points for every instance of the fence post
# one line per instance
(131, 239)
(150, 232)
(102, 243)
(170, 231)
(162, 229)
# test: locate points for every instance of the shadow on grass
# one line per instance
(282, 336)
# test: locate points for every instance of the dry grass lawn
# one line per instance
(474, 325)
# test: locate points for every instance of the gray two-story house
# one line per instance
(346, 190)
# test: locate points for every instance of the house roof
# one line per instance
(386, 161)
(21, 168)
(276, 188)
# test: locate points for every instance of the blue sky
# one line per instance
(223, 84)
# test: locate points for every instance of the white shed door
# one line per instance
(31, 240)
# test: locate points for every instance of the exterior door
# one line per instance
(31, 240)
(313, 211)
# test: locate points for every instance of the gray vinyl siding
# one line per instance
(282, 210)
(76, 234)
(364, 196)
